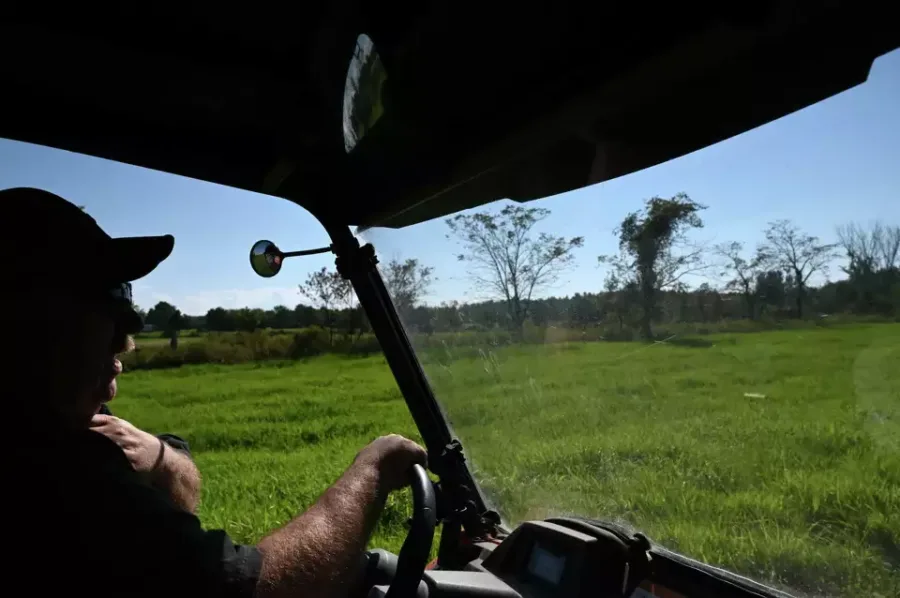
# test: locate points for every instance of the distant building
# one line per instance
(148, 328)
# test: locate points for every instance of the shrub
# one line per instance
(241, 347)
(309, 342)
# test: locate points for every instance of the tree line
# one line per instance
(647, 282)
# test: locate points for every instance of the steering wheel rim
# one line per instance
(414, 553)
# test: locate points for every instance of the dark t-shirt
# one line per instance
(82, 522)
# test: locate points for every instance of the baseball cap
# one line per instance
(46, 237)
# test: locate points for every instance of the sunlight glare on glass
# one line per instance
(363, 92)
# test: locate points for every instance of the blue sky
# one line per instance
(832, 163)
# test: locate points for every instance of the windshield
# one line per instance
(706, 350)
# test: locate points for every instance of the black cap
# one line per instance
(45, 237)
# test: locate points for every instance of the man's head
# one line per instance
(68, 308)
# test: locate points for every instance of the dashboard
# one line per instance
(541, 559)
(573, 558)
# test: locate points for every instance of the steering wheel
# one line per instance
(414, 553)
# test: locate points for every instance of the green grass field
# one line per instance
(797, 484)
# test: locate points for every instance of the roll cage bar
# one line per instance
(462, 507)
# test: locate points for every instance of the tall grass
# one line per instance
(774, 454)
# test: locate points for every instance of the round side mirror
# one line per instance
(266, 258)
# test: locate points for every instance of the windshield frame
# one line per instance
(460, 498)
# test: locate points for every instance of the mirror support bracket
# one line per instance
(458, 491)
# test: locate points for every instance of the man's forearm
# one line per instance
(179, 478)
(317, 553)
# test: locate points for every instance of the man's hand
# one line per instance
(142, 449)
(164, 468)
(392, 456)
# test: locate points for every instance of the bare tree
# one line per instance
(507, 260)
(872, 269)
(741, 273)
(878, 247)
(683, 260)
(407, 281)
(798, 254)
(329, 292)
(889, 247)
(654, 252)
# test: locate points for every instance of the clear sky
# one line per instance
(832, 163)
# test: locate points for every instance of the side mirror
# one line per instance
(266, 259)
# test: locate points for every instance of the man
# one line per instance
(80, 515)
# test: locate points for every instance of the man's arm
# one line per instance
(165, 467)
(177, 476)
(317, 553)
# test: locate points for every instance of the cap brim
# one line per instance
(131, 258)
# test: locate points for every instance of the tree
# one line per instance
(770, 289)
(741, 273)
(620, 296)
(353, 316)
(220, 319)
(328, 291)
(282, 317)
(873, 270)
(163, 315)
(703, 297)
(654, 252)
(407, 282)
(140, 312)
(447, 316)
(507, 260)
(248, 319)
(583, 310)
(879, 246)
(305, 316)
(798, 254)
(176, 322)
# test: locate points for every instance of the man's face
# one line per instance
(83, 363)
(108, 348)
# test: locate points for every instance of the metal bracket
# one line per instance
(462, 508)
(453, 453)
(354, 260)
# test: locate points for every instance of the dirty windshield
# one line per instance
(706, 350)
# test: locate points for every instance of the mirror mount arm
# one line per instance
(358, 264)
(308, 251)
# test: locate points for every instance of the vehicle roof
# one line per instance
(512, 103)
